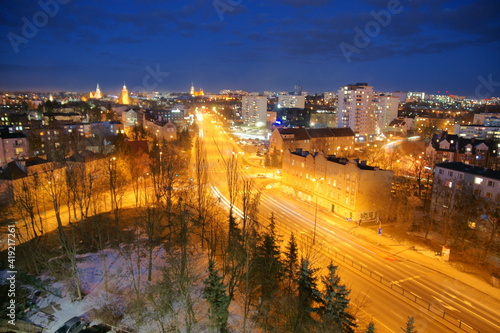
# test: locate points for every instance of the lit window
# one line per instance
(478, 180)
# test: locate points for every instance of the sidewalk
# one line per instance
(421, 256)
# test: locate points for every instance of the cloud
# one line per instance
(302, 3)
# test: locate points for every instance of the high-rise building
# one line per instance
(124, 98)
(355, 109)
(291, 101)
(386, 109)
(254, 110)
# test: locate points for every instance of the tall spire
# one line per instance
(124, 98)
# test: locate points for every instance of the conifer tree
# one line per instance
(410, 327)
(309, 294)
(335, 302)
(290, 263)
(215, 293)
(268, 265)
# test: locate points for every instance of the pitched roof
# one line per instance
(309, 133)
(298, 133)
(459, 166)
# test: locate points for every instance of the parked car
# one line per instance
(261, 175)
(74, 325)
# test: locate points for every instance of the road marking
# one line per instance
(336, 249)
(406, 279)
(378, 273)
(348, 256)
(397, 315)
(390, 267)
(468, 303)
(362, 264)
(451, 295)
(366, 254)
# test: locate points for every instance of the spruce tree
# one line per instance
(290, 263)
(335, 302)
(410, 327)
(268, 265)
(215, 293)
(309, 294)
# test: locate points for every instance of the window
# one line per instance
(488, 195)
(450, 173)
(491, 183)
(440, 171)
(478, 180)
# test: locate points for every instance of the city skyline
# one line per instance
(443, 47)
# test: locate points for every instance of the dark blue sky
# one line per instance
(417, 45)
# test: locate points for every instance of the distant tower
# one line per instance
(192, 89)
(97, 92)
(124, 99)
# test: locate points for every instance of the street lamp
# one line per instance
(316, 208)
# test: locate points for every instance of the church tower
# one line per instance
(124, 98)
(192, 89)
(98, 94)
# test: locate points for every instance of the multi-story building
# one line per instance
(13, 146)
(355, 109)
(348, 188)
(163, 131)
(478, 131)
(480, 118)
(329, 97)
(323, 118)
(413, 96)
(386, 111)
(330, 141)
(291, 101)
(455, 182)
(453, 148)
(254, 110)
(293, 117)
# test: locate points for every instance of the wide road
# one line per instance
(428, 294)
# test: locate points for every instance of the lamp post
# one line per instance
(379, 230)
(316, 209)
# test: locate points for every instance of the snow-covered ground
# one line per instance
(112, 279)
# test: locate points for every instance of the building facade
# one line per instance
(254, 110)
(455, 182)
(291, 101)
(355, 109)
(386, 111)
(348, 188)
(330, 141)
(13, 146)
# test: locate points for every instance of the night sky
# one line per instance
(418, 45)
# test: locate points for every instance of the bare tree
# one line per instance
(53, 183)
